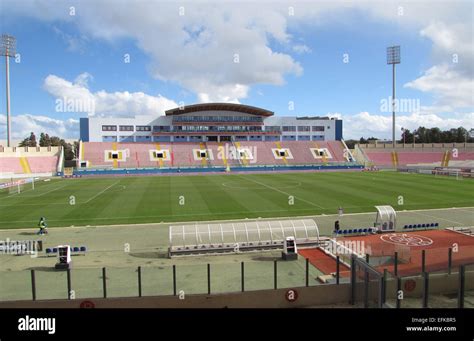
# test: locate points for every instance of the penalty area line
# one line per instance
(283, 192)
(95, 196)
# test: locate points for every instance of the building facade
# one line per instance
(211, 122)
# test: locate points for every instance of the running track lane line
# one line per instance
(283, 192)
(95, 196)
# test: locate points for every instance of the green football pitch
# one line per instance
(133, 200)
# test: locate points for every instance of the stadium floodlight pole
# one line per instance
(393, 57)
(7, 49)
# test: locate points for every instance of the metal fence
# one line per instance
(446, 288)
(43, 284)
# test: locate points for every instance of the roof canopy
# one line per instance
(219, 107)
(272, 231)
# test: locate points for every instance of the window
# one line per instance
(142, 138)
(304, 128)
(162, 128)
(109, 128)
(143, 128)
(109, 138)
(318, 128)
(272, 128)
(289, 128)
(126, 139)
(126, 128)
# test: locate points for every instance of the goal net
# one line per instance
(16, 186)
(459, 174)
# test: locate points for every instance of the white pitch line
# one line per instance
(95, 196)
(279, 190)
(215, 221)
(39, 195)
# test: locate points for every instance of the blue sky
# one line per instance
(283, 59)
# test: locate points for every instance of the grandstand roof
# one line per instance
(221, 107)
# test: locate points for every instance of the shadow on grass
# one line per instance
(265, 259)
(44, 268)
(156, 255)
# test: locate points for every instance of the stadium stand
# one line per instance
(220, 154)
(384, 156)
(17, 161)
(10, 165)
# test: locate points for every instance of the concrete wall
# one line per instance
(321, 295)
(28, 151)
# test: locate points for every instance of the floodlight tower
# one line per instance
(393, 57)
(7, 49)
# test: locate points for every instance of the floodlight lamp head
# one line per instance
(8, 45)
(393, 55)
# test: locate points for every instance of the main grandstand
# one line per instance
(213, 136)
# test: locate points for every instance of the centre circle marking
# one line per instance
(407, 239)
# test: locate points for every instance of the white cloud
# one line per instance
(452, 90)
(23, 125)
(365, 124)
(76, 97)
(453, 39)
(301, 48)
(196, 50)
(75, 43)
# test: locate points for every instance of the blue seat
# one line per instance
(423, 225)
(405, 227)
(48, 250)
(436, 224)
(365, 230)
(350, 231)
(361, 230)
(432, 224)
(339, 232)
(76, 249)
(419, 225)
(55, 250)
(83, 249)
(345, 232)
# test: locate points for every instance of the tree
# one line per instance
(45, 140)
(29, 141)
(407, 136)
(350, 143)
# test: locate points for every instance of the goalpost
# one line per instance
(17, 186)
(457, 173)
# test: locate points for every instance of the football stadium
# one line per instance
(228, 201)
(236, 167)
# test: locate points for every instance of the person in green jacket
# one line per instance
(42, 226)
